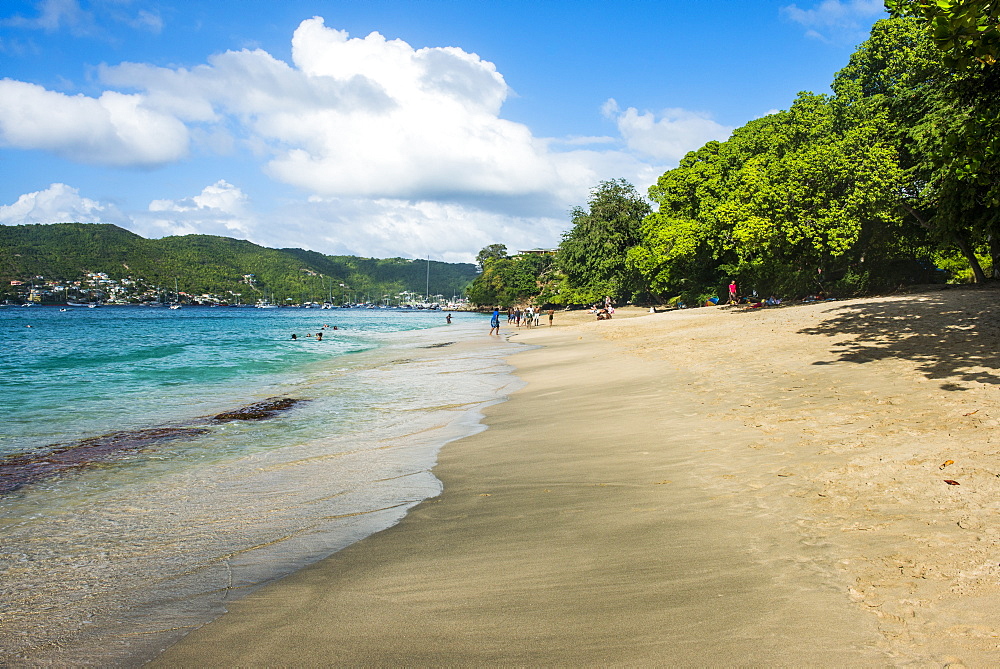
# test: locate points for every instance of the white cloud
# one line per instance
(383, 227)
(836, 20)
(114, 129)
(398, 151)
(220, 209)
(390, 227)
(59, 203)
(371, 117)
(146, 20)
(667, 137)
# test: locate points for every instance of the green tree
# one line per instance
(508, 281)
(797, 201)
(967, 31)
(944, 124)
(593, 253)
(489, 254)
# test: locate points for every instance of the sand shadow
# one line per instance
(951, 335)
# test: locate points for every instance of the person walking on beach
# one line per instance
(732, 291)
(495, 321)
(552, 313)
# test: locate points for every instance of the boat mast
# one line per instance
(427, 288)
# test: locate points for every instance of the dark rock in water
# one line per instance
(26, 468)
(20, 470)
(259, 410)
(447, 343)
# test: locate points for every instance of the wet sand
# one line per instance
(711, 486)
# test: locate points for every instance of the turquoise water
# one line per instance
(142, 539)
(84, 371)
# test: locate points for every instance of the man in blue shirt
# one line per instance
(495, 321)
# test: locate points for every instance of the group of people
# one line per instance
(604, 312)
(528, 317)
(754, 301)
(319, 335)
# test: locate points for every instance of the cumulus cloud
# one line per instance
(114, 129)
(389, 227)
(397, 150)
(220, 209)
(59, 203)
(383, 227)
(372, 117)
(667, 136)
(836, 20)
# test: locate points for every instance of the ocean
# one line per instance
(156, 464)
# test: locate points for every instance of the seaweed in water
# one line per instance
(25, 468)
(259, 410)
(447, 343)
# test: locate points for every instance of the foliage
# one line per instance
(945, 126)
(799, 201)
(967, 31)
(889, 180)
(507, 281)
(593, 253)
(489, 254)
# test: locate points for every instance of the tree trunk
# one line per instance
(977, 269)
(995, 254)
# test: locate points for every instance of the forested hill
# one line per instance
(203, 264)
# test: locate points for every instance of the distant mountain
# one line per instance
(205, 264)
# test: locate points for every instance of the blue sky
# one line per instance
(383, 128)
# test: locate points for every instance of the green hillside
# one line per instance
(204, 264)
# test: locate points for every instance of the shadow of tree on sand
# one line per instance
(951, 335)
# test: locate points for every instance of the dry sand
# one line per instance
(702, 487)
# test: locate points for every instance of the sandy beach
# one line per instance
(809, 484)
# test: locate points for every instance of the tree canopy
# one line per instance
(892, 179)
(593, 252)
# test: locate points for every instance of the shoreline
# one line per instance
(708, 486)
(111, 563)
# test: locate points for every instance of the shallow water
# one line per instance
(109, 562)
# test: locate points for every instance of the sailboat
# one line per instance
(176, 304)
